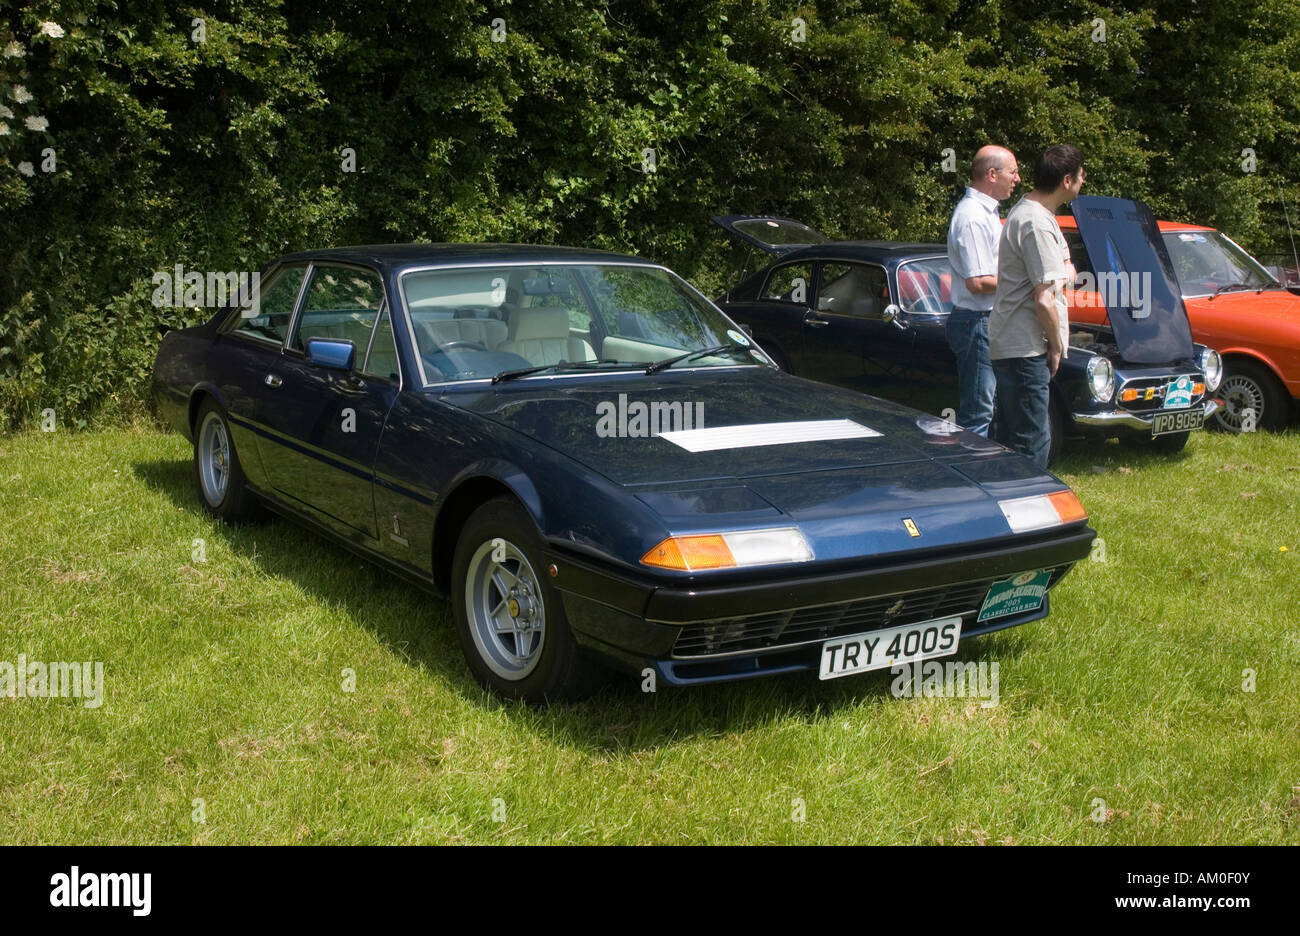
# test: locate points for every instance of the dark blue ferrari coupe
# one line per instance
(603, 470)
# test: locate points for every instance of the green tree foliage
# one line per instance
(137, 136)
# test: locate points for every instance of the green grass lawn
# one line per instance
(224, 682)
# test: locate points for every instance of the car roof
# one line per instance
(398, 256)
(1067, 223)
(883, 252)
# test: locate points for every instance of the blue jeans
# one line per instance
(1022, 405)
(968, 336)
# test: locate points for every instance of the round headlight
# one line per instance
(1101, 379)
(1212, 367)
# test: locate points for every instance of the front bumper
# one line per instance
(1121, 419)
(703, 632)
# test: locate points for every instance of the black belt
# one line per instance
(976, 311)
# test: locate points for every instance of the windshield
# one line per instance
(472, 323)
(926, 286)
(1207, 261)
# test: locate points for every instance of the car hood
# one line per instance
(596, 422)
(1123, 240)
(947, 481)
(1276, 304)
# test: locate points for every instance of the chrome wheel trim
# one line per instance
(505, 609)
(214, 459)
(1239, 392)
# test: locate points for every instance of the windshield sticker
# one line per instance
(1192, 238)
(1179, 393)
(738, 337)
(755, 434)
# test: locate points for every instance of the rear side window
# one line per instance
(274, 308)
(791, 282)
(341, 302)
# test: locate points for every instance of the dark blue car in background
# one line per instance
(871, 316)
(601, 469)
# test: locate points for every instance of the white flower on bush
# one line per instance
(4, 129)
(14, 50)
(27, 169)
(53, 30)
(6, 113)
(21, 94)
(36, 123)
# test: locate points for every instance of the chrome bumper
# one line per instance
(1119, 418)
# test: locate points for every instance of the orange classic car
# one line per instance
(1236, 307)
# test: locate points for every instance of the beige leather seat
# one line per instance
(487, 332)
(540, 335)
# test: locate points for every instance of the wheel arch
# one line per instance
(1255, 357)
(466, 496)
(200, 392)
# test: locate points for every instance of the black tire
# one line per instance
(500, 539)
(218, 475)
(1170, 442)
(1249, 384)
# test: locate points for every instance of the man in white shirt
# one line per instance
(973, 236)
(1029, 328)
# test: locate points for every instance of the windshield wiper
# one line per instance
(562, 365)
(1226, 286)
(730, 347)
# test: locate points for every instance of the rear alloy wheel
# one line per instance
(1248, 385)
(509, 618)
(217, 472)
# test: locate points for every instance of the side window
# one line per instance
(274, 308)
(853, 289)
(382, 360)
(1078, 253)
(790, 283)
(341, 302)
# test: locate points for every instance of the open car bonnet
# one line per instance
(1135, 279)
(770, 234)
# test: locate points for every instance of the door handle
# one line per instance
(816, 322)
(273, 380)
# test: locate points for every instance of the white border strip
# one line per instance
(780, 433)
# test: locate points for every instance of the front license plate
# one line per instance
(890, 646)
(1178, 421)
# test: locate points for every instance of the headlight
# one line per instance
(729, 550)
(1041, 511)
(1101, 379)
(1212, 367)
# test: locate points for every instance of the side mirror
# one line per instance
(893, 313)
(334, 353)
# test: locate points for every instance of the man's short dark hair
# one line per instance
(1054, 164)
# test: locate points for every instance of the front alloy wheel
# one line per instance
(509, 618)
(505, 609)
(1248, 386)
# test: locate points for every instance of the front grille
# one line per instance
(806, 625)
(1157, 387)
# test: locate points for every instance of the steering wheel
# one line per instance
(462, 343)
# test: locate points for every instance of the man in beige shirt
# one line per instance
(1029, 326)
